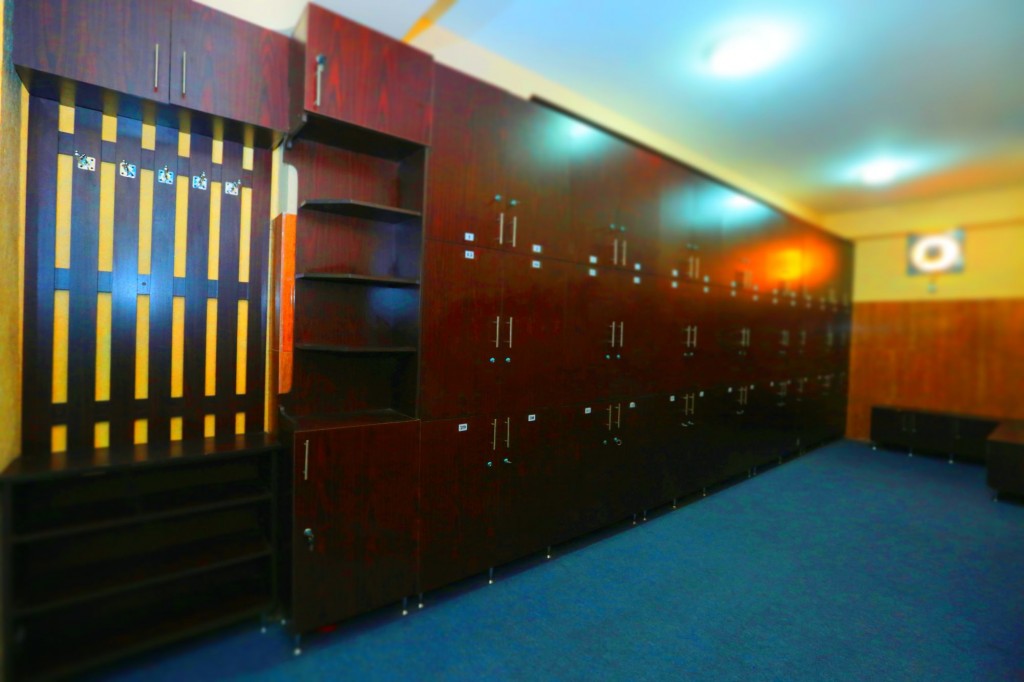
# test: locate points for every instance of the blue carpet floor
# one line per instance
(846, 564)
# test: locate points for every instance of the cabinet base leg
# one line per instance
(673, 503)
(297, 641)
(645, 516)
(405, 606)
(549, 552)
(703, 492)
(950, 460)
(490, 575)
(420, 605)
(634, 519)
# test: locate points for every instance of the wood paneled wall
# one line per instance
(145, 292)
(958, 356)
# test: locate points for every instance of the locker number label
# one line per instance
(537, 248)
(470, 255)
(675, 273)
(463, 427)
(531, 418)
(470, 237)
(671, 398)
(636, 266)
(536, 265)
(593, 260)
(586, 410)
(592, 272)
(632, 405)
(636, 280)
(675, 285)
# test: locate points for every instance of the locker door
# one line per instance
(638, 210)
(692, 333)
(691, 228)
(467, 172)
(527, 470)
(593, 428)
(657, 457)
(735, 332)
(533, 334)
(462, 344)
(538, 149)
(595, 186)
(569, 477)
(591, 350)
(458, 499)
(641, 334)
(354, 534)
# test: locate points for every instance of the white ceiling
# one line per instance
(935, 84)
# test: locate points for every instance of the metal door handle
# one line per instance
(497, 331)
(305, 466)
(156, 66)
(508, 432)
(184, 71)
(618, 423)
(321, 64)
(613, 334)
(515, 224)
(622, 331)
(695, 330)
(509, 331)
(501, 228)
(609, 417)
(494, 435)
(310, 538)
(615, 253)
(696, 269)
(625, 245)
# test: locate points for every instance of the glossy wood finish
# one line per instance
(357, 496)
(223, 66)
(936, 356)
(107, 44)
(369, 80)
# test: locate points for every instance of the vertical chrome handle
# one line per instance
(615, 252)
(184, 71)
(618, 421)
(508, 432)
(515, 223)
(695, 330)
(609, 417)
(321, 64)
(625, 245)
(622, 330)
(156, 66)
(696, 268)
(509, 331)
(501, 228)
(613, 333)
(497, 331)
(494, 434)
(305, 466)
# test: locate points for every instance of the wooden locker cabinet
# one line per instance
(168, 51)
(499, 170)
(494, 331)
(346, 72)
(223, 66)
(120, 45)
(354, 519)
(690, 238)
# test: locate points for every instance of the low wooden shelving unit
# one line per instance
(170, 540)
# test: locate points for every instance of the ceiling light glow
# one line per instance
(738, 201)
(880, 172)
(748, 52)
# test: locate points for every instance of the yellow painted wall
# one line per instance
(11, 246)
(993, 222)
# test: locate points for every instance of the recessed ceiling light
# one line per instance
(739, 201)
(880, 172)
(742, 54)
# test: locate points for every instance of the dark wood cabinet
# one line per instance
(499, 170)
(495, 331)
(175, 52)
(226, 67)
(120, 45)
(690, 239)
(354, 521)
(348, 73)
(924, 431)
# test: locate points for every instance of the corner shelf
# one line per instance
(334, 133)
(361, 209)
(320, 422)
(349, 278)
